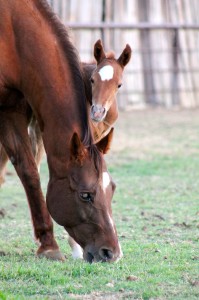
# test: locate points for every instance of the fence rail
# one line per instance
(110, 25)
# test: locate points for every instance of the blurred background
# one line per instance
(163, 34)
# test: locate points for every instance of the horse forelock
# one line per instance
(93, 151)
(96, 157)
(110, 55)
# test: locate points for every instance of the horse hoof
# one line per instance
(52, 254)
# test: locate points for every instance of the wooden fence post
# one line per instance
(174, 75)
(149, 87)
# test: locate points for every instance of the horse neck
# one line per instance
(47, 82)
(112, 113)
(87, 70)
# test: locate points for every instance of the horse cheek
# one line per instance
(60, 207)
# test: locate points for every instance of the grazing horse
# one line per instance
(40, 72)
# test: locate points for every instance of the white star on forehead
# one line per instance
(106, 73)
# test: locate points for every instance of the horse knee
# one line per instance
(30, 178)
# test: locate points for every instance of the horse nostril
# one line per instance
(106, 254)
(93, 108)
(104, 110)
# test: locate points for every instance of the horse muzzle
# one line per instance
(104, 254)
(98, 112)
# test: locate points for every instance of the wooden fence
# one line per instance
(163, 34)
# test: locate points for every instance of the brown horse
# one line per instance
(40, 70)
(102, 82)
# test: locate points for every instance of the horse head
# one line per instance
(86, 203)
(106, 79)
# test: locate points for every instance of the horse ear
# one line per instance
(77, 149)
(99, 51)
(125, 56)
(104, 144)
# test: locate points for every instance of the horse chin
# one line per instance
(88, 256)
(97, 120)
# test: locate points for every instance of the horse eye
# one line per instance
(85, 196)
(92, 80)
(119, 86)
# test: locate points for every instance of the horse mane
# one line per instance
(87, 70)
(64, 39)
(73, 60)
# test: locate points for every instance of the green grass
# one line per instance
(156, 210)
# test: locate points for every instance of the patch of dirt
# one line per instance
(2, 213)
(183, 224)
(104, 296)
(194, 282)
(132, 278)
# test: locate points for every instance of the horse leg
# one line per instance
(38, 151)
(36, 141)
(3, 162)
(76, 249)
(14, 137)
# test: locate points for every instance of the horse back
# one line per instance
(9, 69)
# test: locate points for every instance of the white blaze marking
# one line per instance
(121, 253)
(111, 222)
(106, 73)
(106, 180)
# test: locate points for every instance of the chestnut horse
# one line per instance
(102, 81)
(40, 71)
